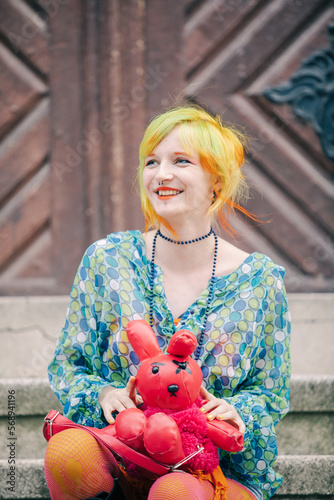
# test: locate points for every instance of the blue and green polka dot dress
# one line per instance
(245, 355)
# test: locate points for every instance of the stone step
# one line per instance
(33, 400)
(29, 336)
(305, 478)
(307, 430)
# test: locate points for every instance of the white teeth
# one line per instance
(168, 193)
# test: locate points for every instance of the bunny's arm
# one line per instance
(163, 440)
(225, 436)
(130, 426)
(157, 436)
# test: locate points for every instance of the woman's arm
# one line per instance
(79, 369)
(262, 398)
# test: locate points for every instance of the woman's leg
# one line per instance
(237, 491)
(77, 467)
(180, 486)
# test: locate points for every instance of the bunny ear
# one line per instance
(142, 338)
(182, 344)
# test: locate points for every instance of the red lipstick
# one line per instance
(170, 192)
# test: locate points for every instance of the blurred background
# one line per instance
(80, 80)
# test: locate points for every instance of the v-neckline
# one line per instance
(203, 296)
(192, 307)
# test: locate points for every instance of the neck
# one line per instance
(183, 257)
(195, 254)
(186, 232)
(185, 242)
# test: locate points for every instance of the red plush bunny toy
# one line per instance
(171, 426)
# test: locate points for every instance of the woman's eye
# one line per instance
(150, 163)
(182, 161)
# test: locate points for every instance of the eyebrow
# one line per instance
(175, 153)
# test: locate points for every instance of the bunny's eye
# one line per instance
(155, 367)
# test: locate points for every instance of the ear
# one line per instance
(182, 344)
(217, 184)
(143, 339)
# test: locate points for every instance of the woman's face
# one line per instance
(175, 182)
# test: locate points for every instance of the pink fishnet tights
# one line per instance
(180, 486)
(77, 468)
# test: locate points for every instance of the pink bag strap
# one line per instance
(54, 422)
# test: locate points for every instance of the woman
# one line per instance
(235, 303)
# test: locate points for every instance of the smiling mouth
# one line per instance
(167, 193)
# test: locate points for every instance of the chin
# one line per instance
(170, 213)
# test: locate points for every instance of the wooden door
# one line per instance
(269, 67)
(72, 111)
(81, 78)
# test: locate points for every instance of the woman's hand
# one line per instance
(111, 399)
(221, 410)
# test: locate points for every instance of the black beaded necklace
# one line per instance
(177, 242)
(212, 279)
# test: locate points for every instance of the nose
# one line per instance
(164, 172)
(173, 388)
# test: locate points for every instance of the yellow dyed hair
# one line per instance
(220, 150)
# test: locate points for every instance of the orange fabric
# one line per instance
(218, 480)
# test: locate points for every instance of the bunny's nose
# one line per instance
(173, 388)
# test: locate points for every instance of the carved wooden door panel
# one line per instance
(25, 174)
(269, 67)
(71, 118)
(79, 82)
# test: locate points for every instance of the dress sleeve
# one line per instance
(262, 398)
(77, 372)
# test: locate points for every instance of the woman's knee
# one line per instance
(76, 466)
(180, 485)
(237, 491)
(71, 443)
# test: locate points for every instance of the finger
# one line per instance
(205, 394)
(227, 415)
(210, 405)
(215, 403)
(131, 387)
(108, 416)
(116, 405)
(120, 404)
(242, 428)
(222, 410)
(133, 394)
(139, 400)
(233, 419)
